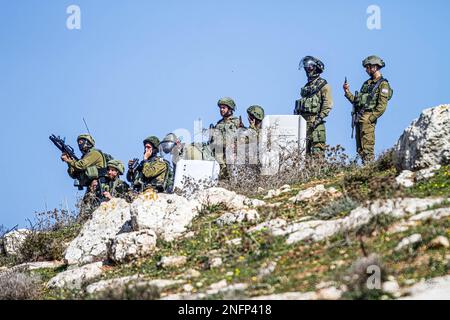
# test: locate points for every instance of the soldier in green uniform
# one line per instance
(90, 165)
(152, 172)
(369, 104)
(86, 173)
(223, 135)
(255, 115)
(114, 187)
(315, 104)
(250, 138)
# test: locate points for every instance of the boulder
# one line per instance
(129, 246)
(120, 285)
(405, 178)
(314, 193)
(230, 199)
(172, 262)
(76, 278)
(168, 215)
(408, 242)
(317, 230)
(247, 215)
(13, 241)
(432, 289)
(91, 244)
(426, 142)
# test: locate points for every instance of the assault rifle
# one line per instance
(63, 147)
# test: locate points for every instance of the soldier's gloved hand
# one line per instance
(130, 164)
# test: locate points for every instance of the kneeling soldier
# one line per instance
(114, 187)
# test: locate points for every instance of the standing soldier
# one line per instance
(152, 172)
(368, 105)
(114, 187)
(224, 133)
(315, 104)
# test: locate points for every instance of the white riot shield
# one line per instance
(194, 175)
(280, 134)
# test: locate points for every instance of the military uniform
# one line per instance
(152, 173)
(369, 104)
(117, 188)
(223, 137)
(314, 106)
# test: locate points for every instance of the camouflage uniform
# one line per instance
(369, 110)
(314, 106)
(88, 166)
(151, 173)
(224, 132)
(117, 187)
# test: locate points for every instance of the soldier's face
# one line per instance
(371, 69)
(148, 147)
(224, 110)
(112, 173)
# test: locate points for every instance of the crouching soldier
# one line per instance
(114, 187)
(153, 172)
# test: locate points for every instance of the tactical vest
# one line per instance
(311, 100)
(94, 172)
(367, 98)
(85, 177)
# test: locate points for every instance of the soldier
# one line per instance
(369, 104)
(152, 172)
(315, 104)
(114, 187)
(91, 165)
(224, 132)
(255, 115)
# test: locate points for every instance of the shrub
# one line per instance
(19, 286)
(337, 208)
(49, 235)
(294, 167)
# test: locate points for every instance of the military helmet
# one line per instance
(116, 164)
(373, 60)
(310, 60)
(87, 137)
(256, 111)
(170, 137)
(228, 102)
(154, 141)
(169, 142)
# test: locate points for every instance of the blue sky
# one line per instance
(149, 67)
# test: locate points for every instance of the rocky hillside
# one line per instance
(374, 232)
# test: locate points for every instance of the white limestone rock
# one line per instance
(129, 246)
(426, 142)
(92, 243)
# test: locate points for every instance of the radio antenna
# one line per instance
(87, 127)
